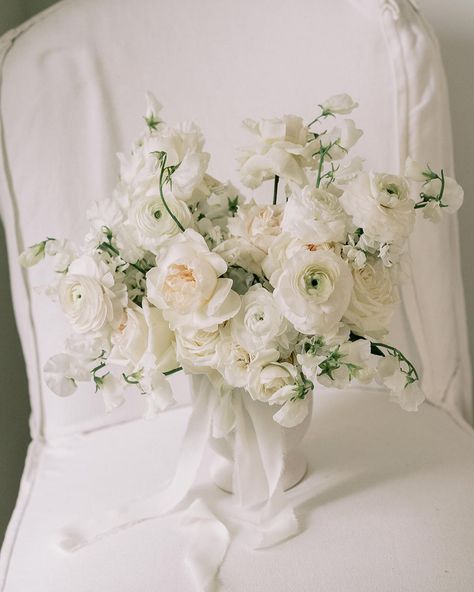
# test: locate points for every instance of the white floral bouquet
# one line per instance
(182, 272)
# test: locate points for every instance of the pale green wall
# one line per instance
(452, 21)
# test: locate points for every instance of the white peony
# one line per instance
(233, 361)
(381, 206)
(271, 381)
(314, 290)
(186, 285)
(373, 300)
(196, 350)
(315, 216)
(259, 324)
(339, 104)
(89, 296)
(279, 149)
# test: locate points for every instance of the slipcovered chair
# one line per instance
(388, 501)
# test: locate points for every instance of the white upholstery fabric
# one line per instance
(72, 93)
(387, 506)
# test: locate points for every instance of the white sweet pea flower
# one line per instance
(186, 284)
(89, 296)
(155, 387)
(153, 224)
(381, 206)
(315, 216)
(414, 170)
(453, 193)
(258, 224)
(292, 413)
(314, 290)
(407, 394)
(279, 149)
(61, 253)
(349, 361)
(112, 391)
(271, 381)
(259, 324)
(348, 172)
(373, 300)
(153, 108)
(62, 372)
(32, 255)
(344, 137)
(341, 104)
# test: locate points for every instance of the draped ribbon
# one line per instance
(259, 449)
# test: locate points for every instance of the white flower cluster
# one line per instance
(180, 272)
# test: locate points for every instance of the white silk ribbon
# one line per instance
(258, 466)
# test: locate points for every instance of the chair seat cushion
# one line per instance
(387, 505)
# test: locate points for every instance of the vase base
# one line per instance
(294, 471)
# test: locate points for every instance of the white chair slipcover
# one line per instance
(388, 502)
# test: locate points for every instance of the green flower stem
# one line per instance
(170, 372)
(322, 156)
(275, 189)
(163, 168)
(397, 353)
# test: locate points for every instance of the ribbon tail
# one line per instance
(192, 451)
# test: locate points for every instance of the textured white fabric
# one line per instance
(387, 506)
(72, 86)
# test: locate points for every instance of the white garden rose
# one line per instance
(373, 300)
(233, 361)
(314, 290)
(269, 380)
(161, 340)
(315, 216)
(259, 324)
(381, 206)
(130, 339)
(186, 284)
(341, 104)
(153, 224)
(196, 350)
(279, 149)
(89, 296)
(257, 223)
(240, 252)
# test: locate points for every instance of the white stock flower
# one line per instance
(89, 296)
(374, 296)
(314, 290)
(257, 223)
(381, 206)
(196, 350)
(341, 104)
(315, 216)
(186, 284)
(62, 372)
(279, 149)
(408, 396)
(259, 324)
(152, 222)
(271, 381)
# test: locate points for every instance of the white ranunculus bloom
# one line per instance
(410, 396)
(196, 350)
(373, 300)
(89, 296)
(279, 149)
(292, 413)
(259, 324)
(62, 372)
(315, 216)
(341, 104)
(314, 290)
(381, 206)
(153, 224)
(257, 223)
(186, 284)
(271, 381)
